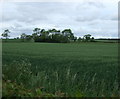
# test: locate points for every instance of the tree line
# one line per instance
(51, 35)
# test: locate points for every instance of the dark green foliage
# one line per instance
(23, 37)
(87, 37)
(28, 37)
(50, 36)
(6, 34)
(79, 39)
(53, 36)
(12, 89)
(92, 39)
(75, 39)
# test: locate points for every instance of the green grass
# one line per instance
(107, 41)
(81, 69)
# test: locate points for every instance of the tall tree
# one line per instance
(54, 31)
(23, 37)
(68, 33)
(44, 34)
(92, 39)
(28, 37)
(6, 34)
(36, 31)
(87, 37)
(79, 39)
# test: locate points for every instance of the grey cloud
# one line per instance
(82, 18)
(114, 18)
(25, 12)
(96, 4)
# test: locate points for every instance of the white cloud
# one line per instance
(98, 18)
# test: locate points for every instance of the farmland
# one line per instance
(73, 69)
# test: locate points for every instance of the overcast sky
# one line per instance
(100, 19)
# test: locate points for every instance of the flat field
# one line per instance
(75, 69)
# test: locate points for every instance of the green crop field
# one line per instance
(70, 69)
